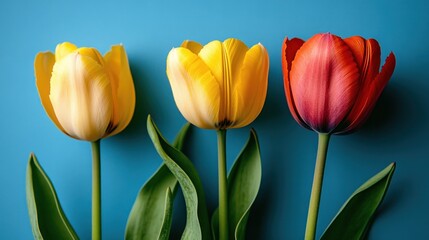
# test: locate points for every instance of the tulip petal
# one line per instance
(367, 55)
(289, 49)
(234, 53)
(195, 88)
(43, 65)
(81, 96)
(250, 88)
(386, 73)
(371, 94)
(123, 92)
(324, 80)
(64, 49)
(193, 46)
(225, 60)
(371, 63)
(92, 53)
(212, 55)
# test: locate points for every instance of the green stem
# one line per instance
(223, 186)
(96, 191)
(313, 209)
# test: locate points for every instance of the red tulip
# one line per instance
(332, 84)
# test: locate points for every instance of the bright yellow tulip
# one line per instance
(220, 85)
(86, 95)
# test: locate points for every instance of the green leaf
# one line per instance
(151, 215)
(355, 217)
(243, 185)
(215, 224)
(197, 222)
(48, 220)
(168, 215)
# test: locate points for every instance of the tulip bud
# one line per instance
(220, 85)
(86, 95)
(332, 84)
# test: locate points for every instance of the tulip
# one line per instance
(331, 86)
(220, 85)
(87, 96)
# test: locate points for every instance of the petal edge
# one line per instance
(123, 90)
(43, 65)
(289, 49)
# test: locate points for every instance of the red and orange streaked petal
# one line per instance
(324, 80)
(289, 49)
(370, 96)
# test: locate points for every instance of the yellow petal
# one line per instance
(92, 53)
(43, 65)
(195, 89)
(123, 91)
(212, 56)
(225, 60)
(193, 46)
(81, 96)
(234, 53)
(64, 49)
(250, 89)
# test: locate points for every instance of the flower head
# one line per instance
(86, 95)
(332, 84)
(220, 85)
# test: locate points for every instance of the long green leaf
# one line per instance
(243, 185)
(355, 217)
(168, 215)
(151, 215)
(215, 224)
(197, 222)
(47, 218)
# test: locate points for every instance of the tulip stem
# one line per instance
(223, 185)
(313, 209)
(96, 191)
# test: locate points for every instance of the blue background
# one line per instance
(397, 130)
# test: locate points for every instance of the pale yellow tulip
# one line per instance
(86, 95)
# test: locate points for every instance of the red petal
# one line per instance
(289, 49)
(362, 111)
(367, 55)
(357, 46)
(371, 64)
(324, 80)
(386, 72)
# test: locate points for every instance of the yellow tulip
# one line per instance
(220, 85)
(86, 95)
